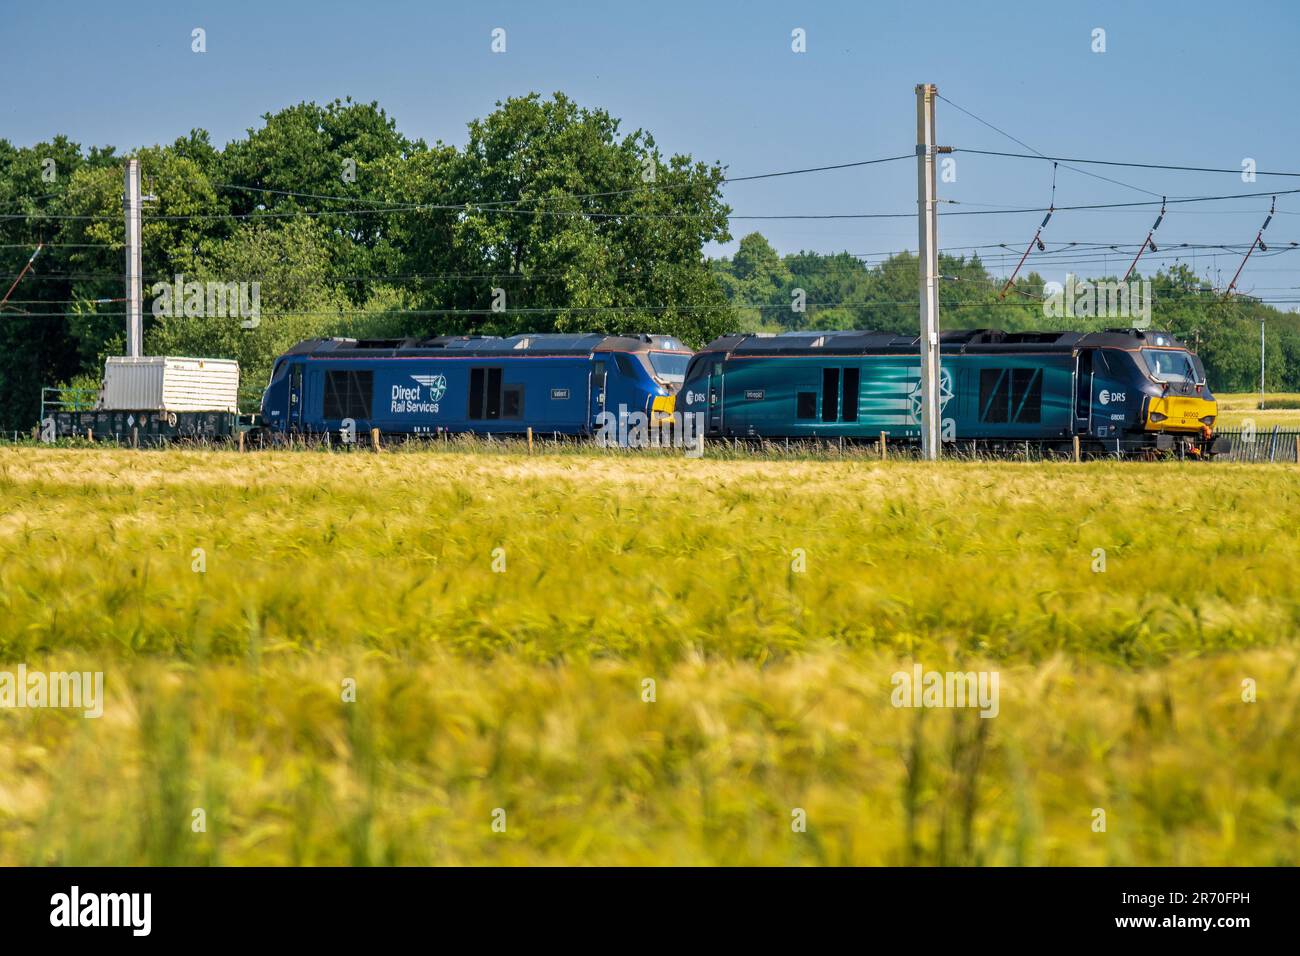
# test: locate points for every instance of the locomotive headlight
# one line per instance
(1207, 420)
(1158, 416)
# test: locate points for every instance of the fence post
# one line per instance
(884, 453)
(241, 441)
(530, 439)
(374, 439)
(1076, 448)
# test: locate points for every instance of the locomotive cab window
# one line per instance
(348, 394)
(1083, 385)
(1169, 365)
(669, 366)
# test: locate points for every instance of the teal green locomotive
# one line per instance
(1119, 391)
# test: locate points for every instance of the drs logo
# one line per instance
(1107, 397)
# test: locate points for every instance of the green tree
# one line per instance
(298, 300)
(583, 228)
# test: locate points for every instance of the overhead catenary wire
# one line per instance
(1108, 162)
(1068, 253)
(644, 188)
(1021, 142)
(1023, 210)
(1194, 302)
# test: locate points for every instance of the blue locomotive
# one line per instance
(551, 382)
(1122, 390)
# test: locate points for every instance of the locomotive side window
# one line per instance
(476, 393)
(512, 404)
(485, 394)
(830, 393)
(806, 405)
(348, 394)
(493, 396)
(849, 402)
(1011, 395)
(993, 397)
(1027, 394)
(624, 363)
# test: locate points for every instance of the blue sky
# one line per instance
(1203, 84)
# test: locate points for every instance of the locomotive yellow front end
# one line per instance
(1179, 403)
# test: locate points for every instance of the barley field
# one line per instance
(450, 658)
(1280, 408)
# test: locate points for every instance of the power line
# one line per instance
(1107, 162)
(645, 188)
(1069, 252)
(59, 245)
(424, 207)
(1031, 149)
(991, 304)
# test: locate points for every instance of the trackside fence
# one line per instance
(1260, 445)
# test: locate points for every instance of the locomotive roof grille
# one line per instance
(962, 340)
(532, 343)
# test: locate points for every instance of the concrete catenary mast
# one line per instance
(131, 204)
(927, 215)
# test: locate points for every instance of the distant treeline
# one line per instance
(550, 218)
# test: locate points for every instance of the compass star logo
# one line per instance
(945, 393)
(436, 384)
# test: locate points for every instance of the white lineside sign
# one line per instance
(167, 383)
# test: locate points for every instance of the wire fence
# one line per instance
(1260, 445)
